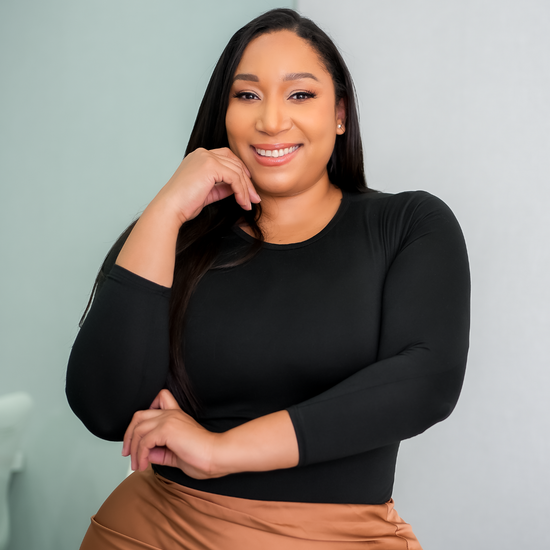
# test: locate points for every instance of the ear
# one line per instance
(341, 117)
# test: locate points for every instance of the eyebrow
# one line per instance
(299, 76)
(291, 76)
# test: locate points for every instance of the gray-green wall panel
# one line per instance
(97, 101)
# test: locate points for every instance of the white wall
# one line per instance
(97, 99)
(455, 99)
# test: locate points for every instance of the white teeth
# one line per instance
(275, 153)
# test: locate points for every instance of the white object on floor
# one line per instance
(15, 410)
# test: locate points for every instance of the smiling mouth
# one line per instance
(275, 153)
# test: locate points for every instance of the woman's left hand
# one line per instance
(165, 435)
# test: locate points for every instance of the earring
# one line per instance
(339, 125)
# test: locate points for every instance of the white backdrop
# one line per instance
(455, 99)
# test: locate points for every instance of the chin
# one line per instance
(280, 189)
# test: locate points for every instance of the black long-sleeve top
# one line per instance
(360, 332)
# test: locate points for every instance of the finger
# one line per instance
(164, 396)
(138, 417)
(229, 174)
(156, 402)
(246, 177)
(162, 456)
(142, 457)
(241, 168)
(167, 400)
(140, 430)
(137, 449)
(150, 433)
(228, 155)
(155, 438)
(127, 439)
(142, 453)
(218, 192)
(240, 184)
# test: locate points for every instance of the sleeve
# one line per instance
(120, 358)
(422, 352)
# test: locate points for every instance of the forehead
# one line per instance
(276, 54)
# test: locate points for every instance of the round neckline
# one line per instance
(289, 246)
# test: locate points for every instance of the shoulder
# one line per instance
(397, 220)
(405, 200)
(405, 208)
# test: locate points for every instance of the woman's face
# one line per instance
(282, 98)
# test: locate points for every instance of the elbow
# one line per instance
(430, 412)
(441, 410)
(105, 428)
(442, 398)
(101, 422)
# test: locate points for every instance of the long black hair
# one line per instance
(198, 240)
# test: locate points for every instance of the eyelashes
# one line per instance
(243, 95)
(299, 96)
(306, 94)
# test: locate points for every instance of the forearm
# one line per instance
(203, 177)
(149, 251)
(422, 349)
(265, 443)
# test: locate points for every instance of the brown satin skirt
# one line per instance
(147, 511)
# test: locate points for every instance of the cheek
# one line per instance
(320, 123)
(231, 126)
(235, 125)
(323, 134)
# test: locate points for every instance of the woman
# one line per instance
(267, 360)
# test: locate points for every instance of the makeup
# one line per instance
(275, 154)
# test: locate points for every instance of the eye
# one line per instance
(245, 95)
(301, 96)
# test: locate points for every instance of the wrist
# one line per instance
(221, 456)
(162, 209)
(265, 443)
(150, 248)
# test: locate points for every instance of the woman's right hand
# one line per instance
(204, 177)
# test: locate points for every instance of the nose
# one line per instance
(273, 118)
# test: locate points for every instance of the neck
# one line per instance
(296, 217)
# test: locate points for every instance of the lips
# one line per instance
(275, 154)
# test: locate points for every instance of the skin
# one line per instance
(274, 103)
(269, 105)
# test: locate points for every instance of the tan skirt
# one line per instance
(147, 511)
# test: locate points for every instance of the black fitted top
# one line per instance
(360, 332)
